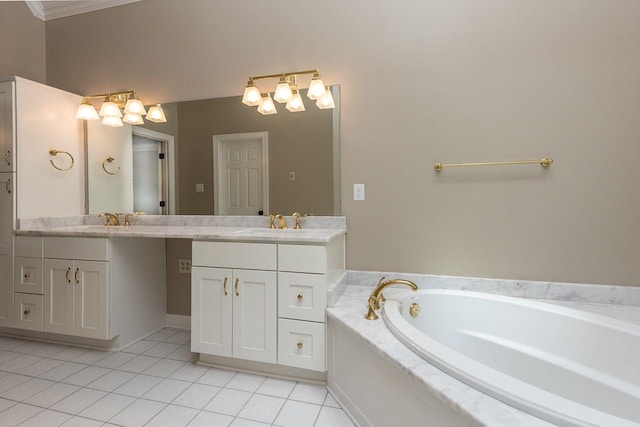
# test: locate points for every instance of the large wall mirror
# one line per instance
(218, 156)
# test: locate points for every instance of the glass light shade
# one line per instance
(325, 102)
(86, 111)
(252, 96)
(267, 106)
(112, 121)
(156, 114)
(134, 106)
(316, 88)
(283, 91)
(110, 109)
(295, 104)
(134, 119)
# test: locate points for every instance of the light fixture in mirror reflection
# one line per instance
(300, 162)
(110, 109)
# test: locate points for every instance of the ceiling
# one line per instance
(46, 10)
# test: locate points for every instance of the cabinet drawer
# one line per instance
(28, 311)
(84, 248)
(302, 296)
(28, 275)
(302, 258)
(29, 246)
(301, 344)
(251, 256)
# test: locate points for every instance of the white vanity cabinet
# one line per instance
(6, 248)
(7, 140)
(233, 300)
(28, 283)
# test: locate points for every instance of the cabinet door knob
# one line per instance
(237, 291)
(68, 275)
(224, 286)
(299, 345)
(76, 275)
(7, 158)
(26, 312)
(300, 296)
(27, 275)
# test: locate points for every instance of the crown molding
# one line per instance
(46, 10)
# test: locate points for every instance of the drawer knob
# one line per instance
(299, 345)
(27, 275)
(27, 312)
(300, 296)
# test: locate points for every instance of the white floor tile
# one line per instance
(173, 416)
(182, 338)
(166, 390)
(40, 367)
(262, 408)
(210, 419)
(310, 393)
(82, 422)
(217, 377)
(86, 376)
(333, 417)
(246, 382)
(228, 402)
(11, 344)
(107, 407)
(12, 380)
(189, 372)
(42, 349)
(239, 422)
(6, 356)
(164, 368)
(138, 385)
(70, 353)
(92, 356)
(63, 371)
(139, 364)
(52, 395)
(297, 414)
(161, 335)
(47, 418)
(197, 396)
(140, 347)
(26, 389)
(183, 353)
(78, 401)
(138, 413)
(162, 349)
(114, 360)
(330, 401)
(111, 381)
(21, 362)
(17, 414)
(4, 404)
(276, 387)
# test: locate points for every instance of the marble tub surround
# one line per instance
(555, 291)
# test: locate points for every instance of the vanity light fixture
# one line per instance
(111, 112)
(287, 92)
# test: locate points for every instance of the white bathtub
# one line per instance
(569, 367)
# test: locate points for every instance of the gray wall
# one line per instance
(423, 81)
(22, 42)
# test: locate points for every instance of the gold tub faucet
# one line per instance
(376, 296)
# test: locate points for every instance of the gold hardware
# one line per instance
(224, 286)
(55, 152)
(129, 215)
(300, 296)
(299, 345)
(237, 292)
(283, 221)
(7, 157)
(104, 166)
(76, 275)
(272, 219)
(414, 309)
(545, 163)
(27, 275)
(26, 312)
(67, 275)
(8, 186)
(376, 296)
(109, 218)
(298, 215)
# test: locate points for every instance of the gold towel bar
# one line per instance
(54, 152)
(104, 166)
(545, 163)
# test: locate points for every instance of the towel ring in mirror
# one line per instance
(104, 166)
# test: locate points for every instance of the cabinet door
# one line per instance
(255, 315)
(7, 156)
(211, 305)
(6, 249)
(58, 296)
(90, 298)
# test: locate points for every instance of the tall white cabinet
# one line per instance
(7, 201)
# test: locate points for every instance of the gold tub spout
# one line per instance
(376, 296)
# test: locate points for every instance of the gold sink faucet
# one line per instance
(298, 215)
(129, 215)
(283, 221)
(109, 218)
(376, 296)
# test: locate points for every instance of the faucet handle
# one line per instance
(272, 219)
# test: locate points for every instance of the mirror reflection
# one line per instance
(218, 156)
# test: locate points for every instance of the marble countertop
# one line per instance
(187, 227)
(349, 311)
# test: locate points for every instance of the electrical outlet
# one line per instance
(292, 176)
(184, 266)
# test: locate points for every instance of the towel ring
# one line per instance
(104, 166)
(54, 152)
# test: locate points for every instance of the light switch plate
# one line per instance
(199, 188)
(358, 191)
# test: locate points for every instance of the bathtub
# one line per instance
(569, 367)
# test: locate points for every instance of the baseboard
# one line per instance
(178, 321)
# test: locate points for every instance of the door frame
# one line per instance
(170, 176)
(218, 158)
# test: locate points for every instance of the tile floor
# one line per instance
(155, 382)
